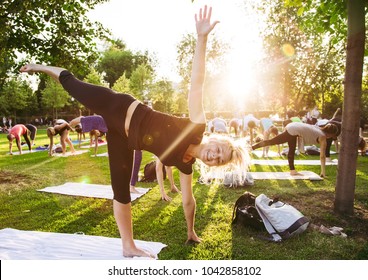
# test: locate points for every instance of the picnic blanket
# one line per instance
(35, 245)
(89, 190)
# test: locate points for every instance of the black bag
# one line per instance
(312, 150)
(245, 212)
(149, 172)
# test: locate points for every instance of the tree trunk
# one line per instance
(345, 186)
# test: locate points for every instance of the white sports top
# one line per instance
(310, 133)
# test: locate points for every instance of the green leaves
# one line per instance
(52, 32)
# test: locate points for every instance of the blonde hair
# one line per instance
(50, 131)
(238, 165)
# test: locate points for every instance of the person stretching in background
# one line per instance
(219, 125)
(33, 131)
(311, 134)
(15, 133)
(268, 129)
(95, 125)
(62, 130)
(235, 124)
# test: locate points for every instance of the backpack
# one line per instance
(245, 212)
(281, 220)
(149, 172)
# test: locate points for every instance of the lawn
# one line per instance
(23, 207)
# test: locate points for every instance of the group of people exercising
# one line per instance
(176, 141)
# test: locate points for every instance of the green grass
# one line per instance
(23, 207)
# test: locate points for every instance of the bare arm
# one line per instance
(51, 144)
(336, 112)
(160, 180)
(189, 205)
(195, 98)
(323, 143)
(75, 122)
(52, 71)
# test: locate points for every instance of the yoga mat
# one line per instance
(101, 155)
(89, 190)
(35, 245)
(280, 162)
(16, 153)
(93, 145)
(67, 154)
(305, 175)
(259, 153)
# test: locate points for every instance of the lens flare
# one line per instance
(288, 50)
(85, 180)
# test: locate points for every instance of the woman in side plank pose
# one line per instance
(134, 126)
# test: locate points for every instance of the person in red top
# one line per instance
(15, 133)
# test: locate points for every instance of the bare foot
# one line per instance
(295, 173)
(135, 252)
(133, 190)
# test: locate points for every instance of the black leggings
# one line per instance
(282, 138)
(33, 131)
(113, 108)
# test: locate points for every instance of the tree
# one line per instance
(122, 84)
(345, 186)
(333, 17)
(303, 65)
(54, 97)
(117, 60)
(52, 32)
(140, 81)
(162, 95)
(15, 97)
(214, 56)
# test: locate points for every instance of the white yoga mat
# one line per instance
(68, 154)
(280, 162)
(101, 155)
(90, 190)
(259, 153)
(305, 175)
(93, 145)
(35, 245)
(16, 153)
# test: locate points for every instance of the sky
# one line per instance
(159, 25)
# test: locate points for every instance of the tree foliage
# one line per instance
(53, 32)
(162, 96)
(214, 61)
(54, 97)
(117, 60)
(303, 65)
(16, 95)
(122, 84)
(140, 81)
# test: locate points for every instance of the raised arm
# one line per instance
(52, 71)
(195, 98)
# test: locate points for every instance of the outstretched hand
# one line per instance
(28, 68)
(203, 21)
